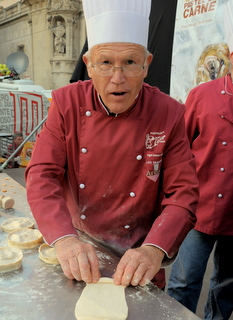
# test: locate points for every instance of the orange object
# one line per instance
(2, 160)
(26, 153)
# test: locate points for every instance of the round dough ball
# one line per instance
(17, 223)
(10, 259)
(7, 202)
(48, 254)
(1, 197)
(25, 238)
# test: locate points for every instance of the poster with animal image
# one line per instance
(200, 52)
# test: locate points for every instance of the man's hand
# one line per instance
(138, 266)
(78, 259)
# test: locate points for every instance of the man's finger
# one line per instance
(85, 268)
(125, 270)
(120, 270)
(66, 269)
(139, 274)
(94, 266)
(74, 267)
(147, 276)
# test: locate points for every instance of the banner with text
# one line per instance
(21, 112)
(200, 52)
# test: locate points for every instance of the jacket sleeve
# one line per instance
(180, 194)
(45, 178)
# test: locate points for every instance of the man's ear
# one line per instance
(231, 57)
(88, 65)
(147, 63)
(149, 59)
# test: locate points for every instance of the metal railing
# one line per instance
(22, 144)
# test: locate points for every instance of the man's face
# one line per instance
(18, 141)
(117, 91)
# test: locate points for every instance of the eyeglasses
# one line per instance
(107, 69)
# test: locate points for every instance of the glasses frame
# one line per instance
(111, 71)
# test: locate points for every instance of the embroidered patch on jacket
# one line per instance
(153, 139)
(154, 173)
(154, 159)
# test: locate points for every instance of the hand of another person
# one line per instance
(78, 259)
(138, 266)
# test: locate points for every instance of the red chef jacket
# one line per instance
(209, 119)
(125, 180)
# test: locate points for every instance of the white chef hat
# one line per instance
(228, 23)
(117, 21)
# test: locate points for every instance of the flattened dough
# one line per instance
(48, 254)
(25, 238)
(102, 300)
(10, 259)
(17, 223)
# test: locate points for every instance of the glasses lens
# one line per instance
(130, 70)
(104, 69)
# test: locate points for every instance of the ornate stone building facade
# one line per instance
(50, 32)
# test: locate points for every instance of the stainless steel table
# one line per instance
(38, 291)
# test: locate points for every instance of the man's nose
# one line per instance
(118, 74)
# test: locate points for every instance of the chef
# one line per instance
(113, 160)
(209, 122)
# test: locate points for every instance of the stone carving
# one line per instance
(29, 3)
(64, 4)
(59, 38)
